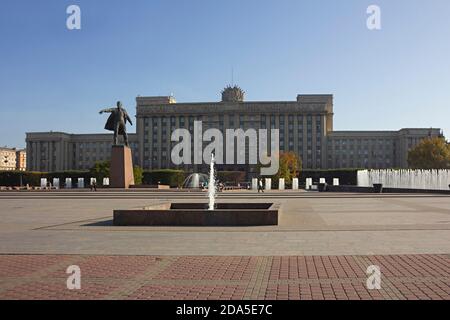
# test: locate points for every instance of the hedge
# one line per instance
(345, 176)
(174, 178)
(12, 178)
(171, 177)
(234, 177)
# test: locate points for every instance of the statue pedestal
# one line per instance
(121, 170)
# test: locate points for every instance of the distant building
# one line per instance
(305, 126)
(373, 149)
(7, 159)
(21, 160)
(59, 151)
(12, 159)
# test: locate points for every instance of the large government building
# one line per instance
(305, 127)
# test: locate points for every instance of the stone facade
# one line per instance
(21, 160)
(12, 159)
(59, 151)
(7, 159)
(373, 149)
(305, 126)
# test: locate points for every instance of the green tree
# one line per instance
(100, 170)
(430, 153)
(290, 167)
(138, 173)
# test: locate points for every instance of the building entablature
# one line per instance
(232, 108)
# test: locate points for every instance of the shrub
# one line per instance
(138, 173)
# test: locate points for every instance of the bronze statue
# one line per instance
(117, 122)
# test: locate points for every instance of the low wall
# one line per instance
(385, 190)
(147, 186)
(194, 214)
(331, 188)
(405, 190)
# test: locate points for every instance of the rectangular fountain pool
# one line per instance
(197, 214)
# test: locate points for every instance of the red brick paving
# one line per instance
(23, 265)
(40, 290)
(111, 267)
(317, 267)
(225, 278)
(210, 268)
(193, 292)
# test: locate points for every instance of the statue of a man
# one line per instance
(117, 122)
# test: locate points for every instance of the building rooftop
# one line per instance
(233, 94)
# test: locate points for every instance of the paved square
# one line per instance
(320, 249)
(225, 278)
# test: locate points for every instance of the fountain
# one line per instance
(212, 188)
(200, 214)
(409, 179)
(195, 181)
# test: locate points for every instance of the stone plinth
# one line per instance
(254, 184)
(68, 184)
(268, 184)
(308, 183)
(295, 183)
(281, 184)
(121, 171)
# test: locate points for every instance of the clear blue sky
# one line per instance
(55, 79)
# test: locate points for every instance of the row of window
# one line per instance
(344, 142)
(99, 145)
(231, 119)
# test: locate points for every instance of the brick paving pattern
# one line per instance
(414, 277)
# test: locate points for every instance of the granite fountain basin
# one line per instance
(197, 214)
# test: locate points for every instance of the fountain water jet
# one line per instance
(405, 178)
(212, 184)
